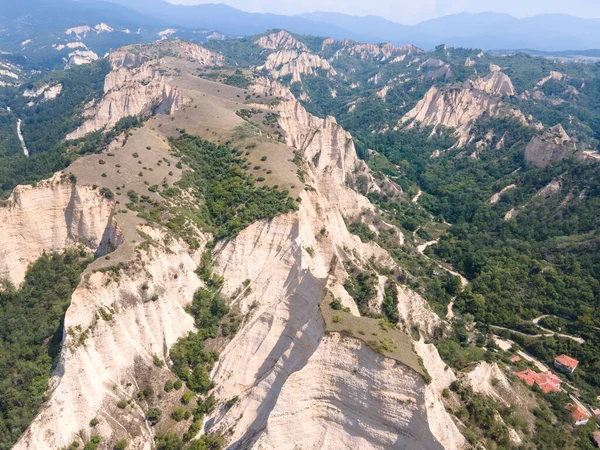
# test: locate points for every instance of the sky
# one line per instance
(413, 11)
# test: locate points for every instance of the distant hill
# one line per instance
(234, 22)
(549, 32)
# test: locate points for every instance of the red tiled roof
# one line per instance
(515, 358)
(567, 361)
(596, 436)
(547, 382)
(528, 376)
(577, 412)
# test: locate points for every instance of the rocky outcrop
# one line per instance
(497, 196)
(113, 329)
(296, 64)
(52, 216)
(315, 410)
(552, 146)
(81, 57)
(495, 83)
(136, 86)
(273, 363)
(295, 385)
(80, 31)
(558, 76)
(281, 40)
(47, 92)
(131, 92)
(381, 52)
(456, 108)
(367, 51)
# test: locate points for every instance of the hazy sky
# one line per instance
(413, 11)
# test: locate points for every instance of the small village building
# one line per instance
(515, 359)
(566, 363)
(580, 417)
(546, 381)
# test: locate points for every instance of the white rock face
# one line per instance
(81, 57)
(100, 357)
(497, 196)
(47, 92)
(281, 40)
(315, 410)
(71, 45)
(130, 92)
(296, 387)
(456, 108)
(558, 76)
(53, 216)
(8, 73)
(440, 422)
(168, 32)
(291, 62)
(103, 28)
(495, 83)
(415, 311)
(79, 32)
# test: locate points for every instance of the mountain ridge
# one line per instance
(544, 32)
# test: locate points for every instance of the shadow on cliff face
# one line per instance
(76, 218)
(296, 344)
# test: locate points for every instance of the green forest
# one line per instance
(31, 329)
(45, 125)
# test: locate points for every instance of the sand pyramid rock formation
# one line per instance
(296, 386)
(136, 87)
(457, 108)
(296, 64)
(55, 215)
(495, 83)
(281, 40)
(102, 361)
(553, 145)
(273, 359)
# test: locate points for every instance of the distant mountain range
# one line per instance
(548, 32)
(488, 31)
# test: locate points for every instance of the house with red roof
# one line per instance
(546, 381)
(580, 417)
(515, 359)
(566, 363)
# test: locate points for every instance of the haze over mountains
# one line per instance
(555, 32)
(488, 31)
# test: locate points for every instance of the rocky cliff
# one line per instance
(553, 145)
(459, 107)
(54, 215)
(136, 87)
(296, 64)
(281, 40)
(296, 385)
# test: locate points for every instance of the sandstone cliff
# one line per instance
(296, 64)
(136, 86)
(296, 386)
(552, 146)
(281, 40)
(53, 216)
(459, 107)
